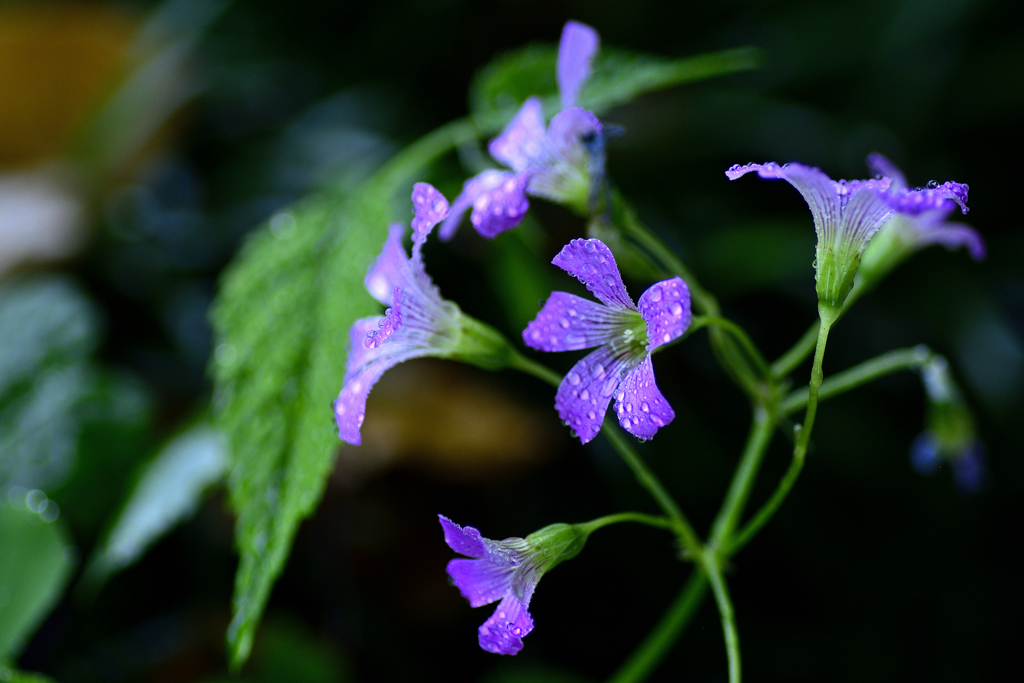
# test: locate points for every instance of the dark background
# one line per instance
(869, 571)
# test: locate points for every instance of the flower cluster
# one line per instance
(556, 163)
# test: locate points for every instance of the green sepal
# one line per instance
(556, 543)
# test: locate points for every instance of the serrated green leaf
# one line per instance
(33, 571)
(282, 322)
(168, 491)
(618, 77)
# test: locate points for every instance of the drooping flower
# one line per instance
(949, 435)
(625, 335)
(558, 162)
(508, 571)
(846, 215)
(417, 324)
(920, 220)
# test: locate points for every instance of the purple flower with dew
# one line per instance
(920, 220)
(968, 462)
(554, 162)
(508, 571)
(418, 322)
(846, 215)
(624, 334)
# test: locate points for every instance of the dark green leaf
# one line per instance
(618, 77)
(33, 566)
(282, 322)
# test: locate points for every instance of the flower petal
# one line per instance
(387, 272)
(817, 189)
(576, 50)
(883, 167)
(569, 323)
(502, 207)
(503, 632)
(665, 307)
(430, 207)
(953, 235)
(592, 263)
(521, 144)
(639, 405)
(582, 397)
(480, 581)
(463, 540)
(365, 366)
(864, 214)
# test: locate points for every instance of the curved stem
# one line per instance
(803, 439)
(721, 592)
(743, 480)
(687, 536)
(869, 370)
(738, 333)
(619, 517)
(517, 361)
(656, 645)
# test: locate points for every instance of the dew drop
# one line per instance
(675, 308)
(564, 322)
(574, 378)
(645, 406)
(584, 395)
(655, 293)
(591, 415)
(589, 246)
(597, 370)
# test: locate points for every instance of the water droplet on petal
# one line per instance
(564, 322)
(597, 370)
(573, 377)
(675, 308)
(584, 395)
(655, 293)
(591, 414)
(645, 406)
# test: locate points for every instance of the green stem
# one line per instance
(868, 371)
(713, 570)
(619, 517)
(738, 333)
(743, 480)
(517, 361)
(648, 655)
(804, 346)
(687, 536)
(803, 439)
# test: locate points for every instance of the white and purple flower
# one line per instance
(418, 323)
(554, 162)
(625, 335)
(508, 571)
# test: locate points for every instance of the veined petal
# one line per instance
(865, 212)
(574, 157)
(570, 323)
(817, 189)
(914, 202)
(365, 366)
(576, 51)
(501, 207)
(582, 397)
(592, 263)
(503, 632)
(521, 144)
(639, 405)
(665, 307)
(430, 207)
(951, 236)
(883, 167)
(387, 272)
(480, 581)
(463, 540)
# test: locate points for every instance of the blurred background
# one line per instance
(141, 141)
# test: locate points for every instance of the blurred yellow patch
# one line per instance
(58, 63)
(449, 420)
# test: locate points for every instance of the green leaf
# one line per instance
(13, 676)
(618, 77)
(282, 320)
(33, 566)
(167, 492)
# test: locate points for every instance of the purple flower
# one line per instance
(920, 219)
(418, 323)
(508, 571)
(554, 163)
(624, 334)
(846, 215)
